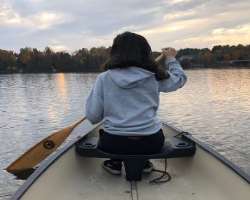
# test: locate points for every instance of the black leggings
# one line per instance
(117, 144)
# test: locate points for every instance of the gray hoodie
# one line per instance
(127, 99)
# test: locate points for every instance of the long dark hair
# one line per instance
(130, 49)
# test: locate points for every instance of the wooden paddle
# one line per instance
(26, 163)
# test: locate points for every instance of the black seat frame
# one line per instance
(174, 147)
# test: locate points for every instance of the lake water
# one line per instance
(214, 106)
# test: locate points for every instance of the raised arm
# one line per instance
(177, 77)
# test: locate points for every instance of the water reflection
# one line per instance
(61, 85)
(227, 84)
(60, 95)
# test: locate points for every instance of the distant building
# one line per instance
(240, 62)
(186, 57)
(53, 69)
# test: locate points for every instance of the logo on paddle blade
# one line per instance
(48, 144)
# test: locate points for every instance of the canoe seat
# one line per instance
(174, 147)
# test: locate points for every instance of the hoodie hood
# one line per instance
(129, 77)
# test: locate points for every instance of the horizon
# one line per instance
(72, 52)
(67, 26)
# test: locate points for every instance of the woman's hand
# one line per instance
(169, 52)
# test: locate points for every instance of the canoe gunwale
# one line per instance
(42, 168)
(50, 160)
(214, 153)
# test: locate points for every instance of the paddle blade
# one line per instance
(37, 153)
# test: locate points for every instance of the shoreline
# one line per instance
(217, 67)
(95, 72)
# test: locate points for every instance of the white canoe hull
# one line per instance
(205, 176)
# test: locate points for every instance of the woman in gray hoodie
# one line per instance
(126, 98)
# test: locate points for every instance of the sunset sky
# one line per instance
(71, 25)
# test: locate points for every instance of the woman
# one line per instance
(126, 97)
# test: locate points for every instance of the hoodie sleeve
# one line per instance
(94, 104)
(177, 77)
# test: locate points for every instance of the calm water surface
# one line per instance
(214, 106)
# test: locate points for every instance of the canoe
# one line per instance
(193, 171)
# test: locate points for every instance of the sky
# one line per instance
(67, 25)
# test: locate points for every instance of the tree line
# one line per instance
(218, 56)
(32, 60)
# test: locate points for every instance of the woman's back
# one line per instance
(130, 100)
(127, 99)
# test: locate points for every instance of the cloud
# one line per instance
(178, 1)
(58, 47)
(76, 24)
(41, 20)
(194, 27)
(45, 20)
(8, 16)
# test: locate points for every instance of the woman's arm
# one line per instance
(160, 58)
(94, 104)
(177, 77)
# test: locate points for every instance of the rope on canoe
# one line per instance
(165, 176)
